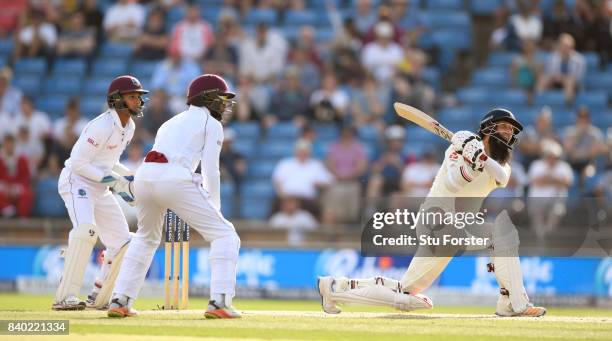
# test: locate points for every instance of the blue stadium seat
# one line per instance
(47, 202)
(3, 61)
(258, 16)
(31, 65)
(431, 74)
(92, 106)
(491, 77)
(274, 151)
(444, 4)
(602, 119)
(283, 130)
(116, 51)
(368, 133)
(473, 95)
(258, 188)
(599, 80)
(6, 46)
(501, 59)
(452, 38)
(591, 59)
(484, 7)
(260, 169)
(69, 67)
(210, 14)
(255, 208)
(299, 18)
(592, 99)
(244, 147)
(551, 98)
(227, 207)
(62, 85)
(96, 85)
(109, 67)
(326, 132)
(246, 130)
(465, 116)
(324, 35)
(507, 97)
(54, 105)
(446, 19)
(143, 69)
(29, 83)
(416, 133)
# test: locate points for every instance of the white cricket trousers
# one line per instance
(91, 203)
(193, 204)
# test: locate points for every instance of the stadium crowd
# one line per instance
(313, 132)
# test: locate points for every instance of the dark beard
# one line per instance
(498, 150)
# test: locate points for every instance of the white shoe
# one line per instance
(325, 286)
(504, 309)
(69, 303)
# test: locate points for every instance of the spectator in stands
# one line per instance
(290, 100)
(301, 177)
(550, 178)
(37, 39)
(409, 86)
(346, 33)
(156, 112)
(36, 121)
(222, 57)
(293, 218)
(384, 16)
(93, 16)
(531, 141)
(595, 33)
(192, 36)
(152, 44)
(565, 68)
(77, 40)
(365, 16)
(124, 21)
(16, 197)
(329, 103)
(233, 164)
(33, 150)
(307, 45)
(263, 57)
(309, 134)
(525, 69)
(603, 188)
(309, 74)
(228, 24)
(527, 23)
(369, 103)
(66, 130)
(386, 171)
(583, 142)
(560, 20)
(9, 15)
(173, 75)
(382, 56)
(10, 96)
(253, 102)
(418, 176)
(135, 156)
(347, 161)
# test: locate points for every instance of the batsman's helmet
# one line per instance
(211, 91)
(123, 85)
(488, 125)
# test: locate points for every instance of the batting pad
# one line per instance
(80, 244)
(108, 283)
(506, 262)
(382, 296)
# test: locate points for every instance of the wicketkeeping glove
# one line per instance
(122, 185)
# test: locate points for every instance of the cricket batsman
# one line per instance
(92, 169)
(474, 165)
(167, 180)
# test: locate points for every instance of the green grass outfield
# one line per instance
(303, 320)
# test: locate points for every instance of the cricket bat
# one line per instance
(420, 118)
